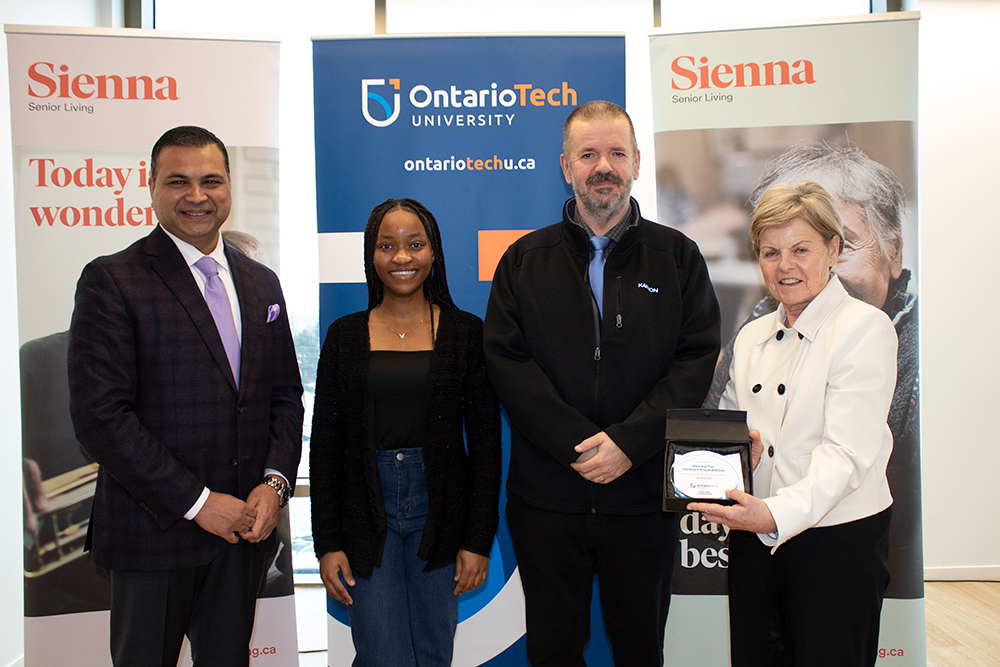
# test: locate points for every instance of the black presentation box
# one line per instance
(709, 435)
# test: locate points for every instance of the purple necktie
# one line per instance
(222, 312)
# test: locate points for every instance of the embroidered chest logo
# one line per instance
(644, 286)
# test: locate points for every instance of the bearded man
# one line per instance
(596, 325)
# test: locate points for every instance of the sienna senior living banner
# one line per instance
(472, 128)
(834, 102)
(86, 108)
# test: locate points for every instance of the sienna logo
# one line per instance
(644, 286)
(390, 114)
(99, 86)
(687, 76)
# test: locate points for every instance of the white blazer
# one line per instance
(819, 393)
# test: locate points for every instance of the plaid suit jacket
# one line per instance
(154, 402)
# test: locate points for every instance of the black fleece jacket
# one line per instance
(562, 378)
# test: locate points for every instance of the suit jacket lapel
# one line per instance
(252, 314)
(166, 260)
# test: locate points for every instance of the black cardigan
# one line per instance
(463, 489)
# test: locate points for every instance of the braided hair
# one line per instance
(436, 285)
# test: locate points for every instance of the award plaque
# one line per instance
(707, 452)
(706, 474)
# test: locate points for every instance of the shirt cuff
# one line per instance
(198, 504)
(272, 471)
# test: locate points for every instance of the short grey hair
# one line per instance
(851, 177)
(598, 110)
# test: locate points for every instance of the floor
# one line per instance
(963, 624)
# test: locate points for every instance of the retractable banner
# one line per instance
(471, 126)
(830, 101)
(86, 108)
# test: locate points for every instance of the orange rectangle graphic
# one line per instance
(492, 245)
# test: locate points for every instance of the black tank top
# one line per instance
(397, 381)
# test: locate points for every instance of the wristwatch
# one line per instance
(281, 488)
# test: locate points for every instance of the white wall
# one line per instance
(960, 306)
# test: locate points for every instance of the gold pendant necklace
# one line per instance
(401, 335)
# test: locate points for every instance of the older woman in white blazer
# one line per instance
(808, 562)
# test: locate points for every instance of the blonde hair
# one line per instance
(807, 201)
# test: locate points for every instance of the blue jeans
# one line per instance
(403, 616)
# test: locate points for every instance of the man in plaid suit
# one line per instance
(197, 443)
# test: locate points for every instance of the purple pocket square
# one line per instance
(273, 311)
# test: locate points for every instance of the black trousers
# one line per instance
(213, 605)
(559, 554)
(816, 602)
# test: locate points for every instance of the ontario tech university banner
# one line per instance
(800, 101)
(471, 126)
(86, 108)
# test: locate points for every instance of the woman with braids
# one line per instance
(403, 509)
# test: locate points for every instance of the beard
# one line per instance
(597, 206)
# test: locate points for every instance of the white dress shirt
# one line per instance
(819, 393)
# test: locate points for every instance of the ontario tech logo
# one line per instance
(390, 114)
